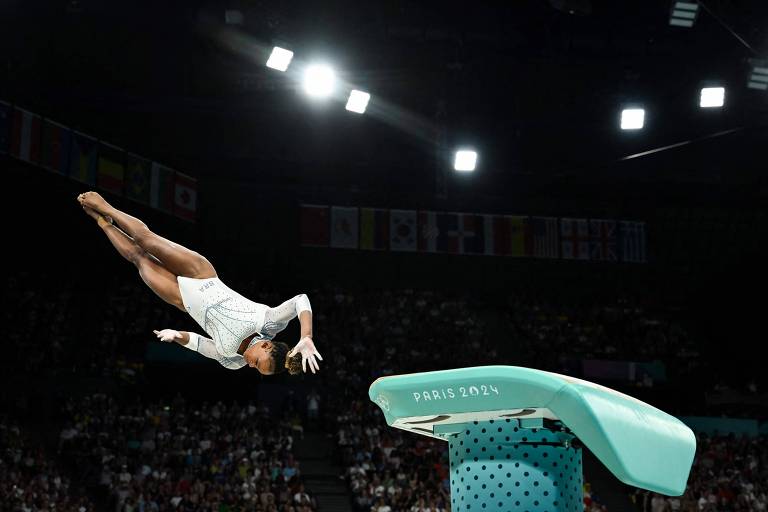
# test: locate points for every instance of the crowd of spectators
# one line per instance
(30, 480)
(730, 473)
(205, 456)
(56, 327)
(181, 456)
(548, 332)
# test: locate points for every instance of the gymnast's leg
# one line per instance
(177, 259)
(152, 272)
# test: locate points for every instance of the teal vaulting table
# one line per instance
(515, 434)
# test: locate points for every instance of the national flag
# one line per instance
(521, 238)
(507, 235)
(56, 147)
(574, 238)
(471, 235)
(402, 230)
(344, 227)
(602, 240)
(6, 112)
(449, 236)
(162, 188)
(374, 229)
(82, 158)
(427, 233)
(632, 242)
(314, 225)
(25, 136)
(546, 241)
(138, 176)
(110, 171)
(184, 197)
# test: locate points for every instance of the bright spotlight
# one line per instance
(683, 14)
(632, 118)
(465, 160)
(319, 81)
(279, 59)
(712, 97)
(357, 101)
(758, 76)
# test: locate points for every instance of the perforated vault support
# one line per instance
(515, 465)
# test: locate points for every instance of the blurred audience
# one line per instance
(147, 456)
(178, 456)
(730, 473)
(30, 480)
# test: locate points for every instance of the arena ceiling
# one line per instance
(536, 86)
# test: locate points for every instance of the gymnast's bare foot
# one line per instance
(94, 201)
(101, 219)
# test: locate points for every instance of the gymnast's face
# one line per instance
(259, 356)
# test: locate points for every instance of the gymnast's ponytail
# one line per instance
(283, 361)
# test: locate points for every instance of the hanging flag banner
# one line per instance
(110, 171)
(344, 227)
(82, 158)
(55, 151)
(57, 148)
(314, 223)
(138, 176)
(374, 229)
(602, 240)
(517, 236)
(449, 234)
(574, 239)
(427, 232)
(162, 188)
(546, 239)
(403, 230)
(185, 197)
(507, 235)
(25, 136)
(632, 245)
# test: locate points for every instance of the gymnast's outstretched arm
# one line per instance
(287, 311)
(202, 345)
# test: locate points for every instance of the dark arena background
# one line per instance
(572, 186)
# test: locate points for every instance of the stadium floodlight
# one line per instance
(465, 160)
(632, 118)
(319, 80)
(758, 76)
(279, 59)
(358, 101)
(712, 97)
(684, 14)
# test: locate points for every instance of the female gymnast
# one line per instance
(241, 330)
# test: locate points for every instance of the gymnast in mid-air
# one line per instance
(241, 331)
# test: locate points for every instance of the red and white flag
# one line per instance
(313, 229)
(574, 237)
(185, 197)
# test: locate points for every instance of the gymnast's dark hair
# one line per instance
(282, 362)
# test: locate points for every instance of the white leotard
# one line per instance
(229, 318)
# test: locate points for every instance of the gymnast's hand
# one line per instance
(167, 335)
(306, 347)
